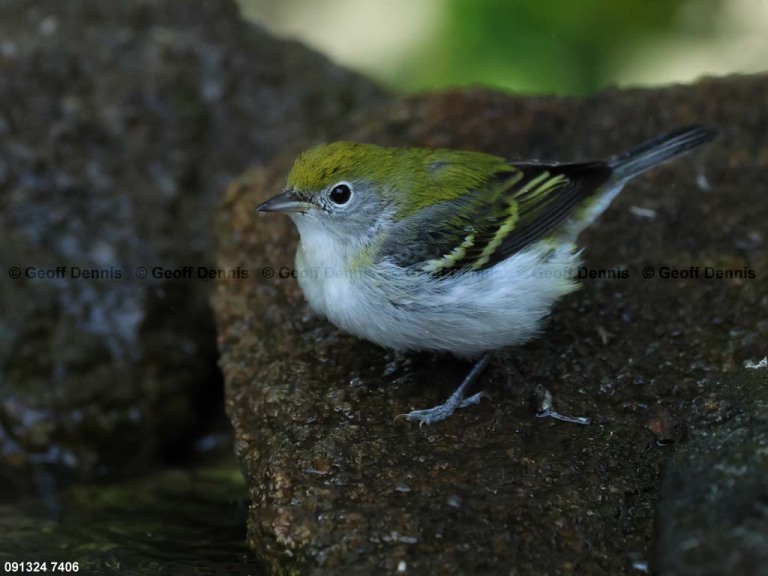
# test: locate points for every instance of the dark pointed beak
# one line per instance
(286, 202)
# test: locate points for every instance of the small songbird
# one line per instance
(447, 250)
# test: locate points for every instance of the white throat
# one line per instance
(323, 253)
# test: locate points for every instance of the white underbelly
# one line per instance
(465, 315)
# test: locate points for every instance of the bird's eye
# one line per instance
(340, 194)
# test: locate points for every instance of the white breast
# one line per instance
(465, 315)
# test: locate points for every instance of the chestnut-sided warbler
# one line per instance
(447, 250)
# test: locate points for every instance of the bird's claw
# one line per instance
(443, 411)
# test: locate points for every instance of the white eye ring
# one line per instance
(341, 193)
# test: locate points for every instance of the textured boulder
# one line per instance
(338, 488)
(120, 125)
(712, 516)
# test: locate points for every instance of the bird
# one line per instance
(449, 251)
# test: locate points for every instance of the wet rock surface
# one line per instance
(120, 125)
(713, 514)
(337, 487)
(189, 522)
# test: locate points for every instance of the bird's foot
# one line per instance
(454, 402)
(444, 410)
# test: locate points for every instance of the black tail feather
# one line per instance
(659, 150)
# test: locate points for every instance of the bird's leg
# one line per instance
(455, 400)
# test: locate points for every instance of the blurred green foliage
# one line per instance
(561, 46)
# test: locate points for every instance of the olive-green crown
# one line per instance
(418, 177)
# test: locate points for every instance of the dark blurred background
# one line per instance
(560, 46)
